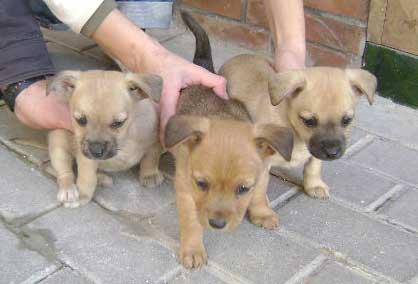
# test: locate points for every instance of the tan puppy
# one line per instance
(115, 127)
(221, 162)
(318, 103)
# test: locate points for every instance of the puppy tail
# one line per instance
(203, 52)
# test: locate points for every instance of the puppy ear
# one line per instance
(144, 86)
(185, 129)
(363, 83)
(271, 139)
(285, 85)
(63, 83)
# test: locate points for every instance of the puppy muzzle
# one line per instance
(98, 150)
(327, 149)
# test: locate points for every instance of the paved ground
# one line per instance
(366, 233)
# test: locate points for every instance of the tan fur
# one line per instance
(214, 141)
(326, 93)
(104, 97)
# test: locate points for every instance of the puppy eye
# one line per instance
(346, 120)
(117, 124)
(309, 122)
(202, 184)
(242, 189)
(82, 121)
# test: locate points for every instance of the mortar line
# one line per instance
(38, 276)
(339, 18)
(284, 197)
(307, 270)
(169, 275)
(225, 275)
(379, 202)
(56, 271)
(336, 255)
(358, 146)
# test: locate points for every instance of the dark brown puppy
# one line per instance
(222, 161)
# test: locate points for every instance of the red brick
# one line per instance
(358, 9)
(251, 37)
(228, 8)
(256, 13)
(335, 34)
(322, 56)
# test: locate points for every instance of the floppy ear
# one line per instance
(363, 83)
(144, 86)
(285, 85)
(185, 129)
(63, 83)
(271, 139)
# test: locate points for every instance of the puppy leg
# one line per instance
(87, 178)
(104, 180)
(60, 153)
(192, 252)
(149, 174)
(259, 212)
(312, 182)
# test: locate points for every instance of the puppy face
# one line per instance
(222, 163)
(101, 104)
(321, 105)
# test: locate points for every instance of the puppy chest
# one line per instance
(126, 158)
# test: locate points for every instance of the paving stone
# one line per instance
(256, 254)
(128, 195)
(184, 45)
(201, 276)
(66, 276)
(382, 247)
(18, 263)
(11, 128)
(390, 158)
(405, 209)
(355, 135)
(277, 187)
(389, 120)
(25, 192)
(353, 183)
(66, 59)
(334, 272)
(104, 247)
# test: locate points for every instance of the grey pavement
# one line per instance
(366, 233)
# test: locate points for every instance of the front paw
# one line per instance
(267, 220)
(319, 190)
(193, 256)
(69, 197)
(151, 180)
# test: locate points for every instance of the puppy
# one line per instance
(318, 103)
(115, 125)
(221, 161)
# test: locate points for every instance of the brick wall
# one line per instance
(335, 29)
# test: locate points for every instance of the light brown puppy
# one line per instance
(222, 162)
(115, 127)
(318, 103)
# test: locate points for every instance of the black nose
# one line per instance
(332, 148)
(217, 223)
(97, 149)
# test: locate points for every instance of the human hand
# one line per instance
(177, 74)
(36, 109)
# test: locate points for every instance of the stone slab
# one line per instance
(258, 255)
(382, 247)
(66, 276)
(353, 183)
(25, 192)
(391, 158)
(333, 272)
(104, 247)
(18, 263)
(404, 209)
(201, 276)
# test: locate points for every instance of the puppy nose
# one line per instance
(217, 223)
(97, 149)
(332, 148)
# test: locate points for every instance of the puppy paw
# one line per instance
(69, 196)
(104, 180)
(193, 257)
(151, 180)
(268, 221)
(320, 191)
